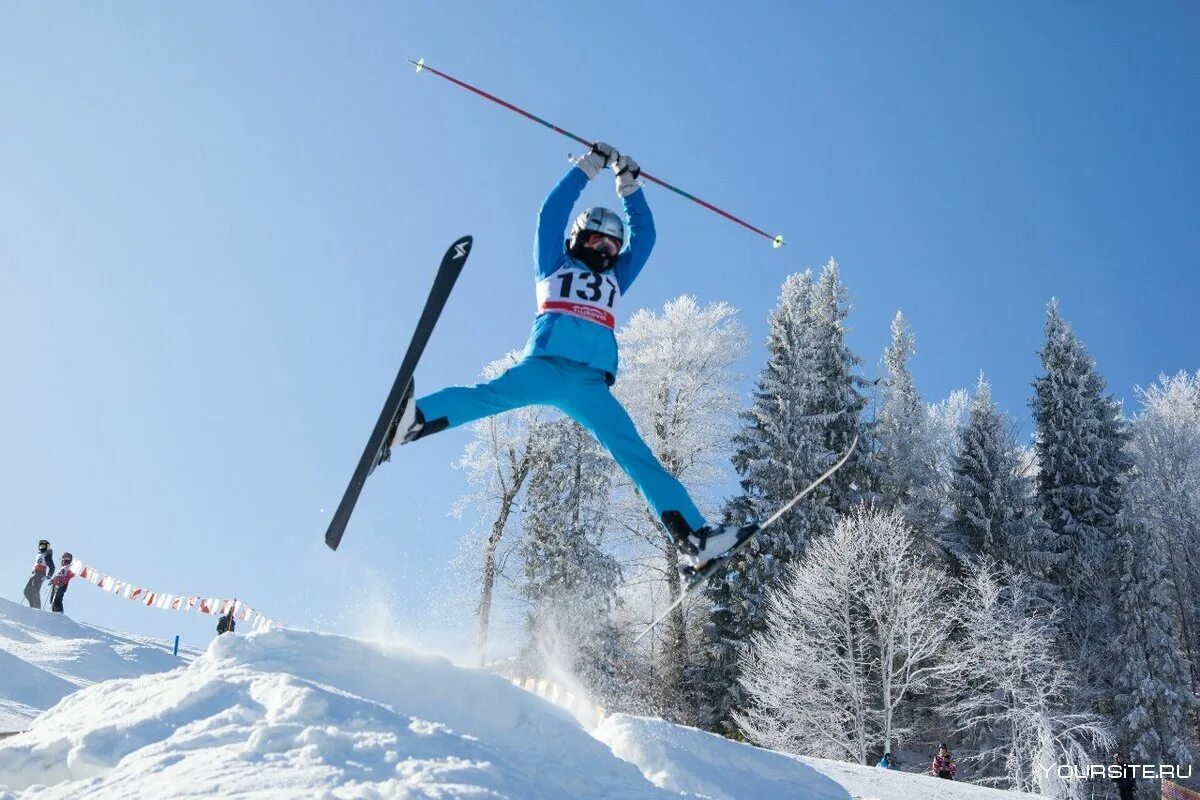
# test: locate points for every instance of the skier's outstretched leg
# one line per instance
(591, 403)
(529, 382)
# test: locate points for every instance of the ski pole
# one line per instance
(776, 241)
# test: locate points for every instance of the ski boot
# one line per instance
(700, 550)
(408, 425)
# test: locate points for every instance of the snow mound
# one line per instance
(284, 713)
(299, 714)
(45, 656)
(696, 763)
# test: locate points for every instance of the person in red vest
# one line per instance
(943, 764)
(43, 566)
(58, 584)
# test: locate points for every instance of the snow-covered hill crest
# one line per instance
(288, 713)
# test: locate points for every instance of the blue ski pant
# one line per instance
(582, 393)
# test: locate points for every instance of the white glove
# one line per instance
(627, 175)
(599, 157)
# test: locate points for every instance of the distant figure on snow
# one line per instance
(943, 764)
(885, 762)
(1125, 782)
(58, 584)
(226, 623)
(43, 565)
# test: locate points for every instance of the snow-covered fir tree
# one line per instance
(497, 461)
(899, 431)
(1164, 495)
(907, 458)
(995, 513)
(805, 411)
(570, 581)
(1154, 697)
(1081, 436)
(1009, 694)
(854, 632)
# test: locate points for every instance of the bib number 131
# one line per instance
(590, 287)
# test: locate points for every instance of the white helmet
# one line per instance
(596, 220)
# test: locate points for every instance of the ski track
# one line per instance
(287, 713)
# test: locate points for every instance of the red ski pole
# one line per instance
(776, 241)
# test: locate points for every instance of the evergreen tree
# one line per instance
(805, 411)
(1082, 463)
(569, 581)
(1153, 685)
(906, 453)
(994, 510)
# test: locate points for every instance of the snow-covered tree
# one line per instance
(1010, 695)
(1081, 436)
(678, 384)
(995, 513)
(570, 582)
(805, 411)
(497, 461)
(855, 631)
(1164, 495)
(899, 432)
(1153, 685)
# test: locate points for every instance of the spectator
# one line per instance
(226, 623)
(943, 763)
(885, 762)
(1126, 782)
(58, 584)
(43, 565)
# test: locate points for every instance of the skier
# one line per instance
(43, 565)
(885, 762)
(226, 624)
(58, 584)
(943, 764)
(570, 360)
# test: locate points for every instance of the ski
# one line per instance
(701, 575)
(377, 450)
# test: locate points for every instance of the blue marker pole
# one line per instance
(176, 645)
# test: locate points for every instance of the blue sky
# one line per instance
(220, 221)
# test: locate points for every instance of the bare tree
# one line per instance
(857, 628)
(678, 385)
(497, 461)
(1010, 693)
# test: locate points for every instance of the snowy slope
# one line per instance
(696, 763)
(289, 714)
(44, 657)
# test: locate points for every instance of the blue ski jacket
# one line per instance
(564, 335)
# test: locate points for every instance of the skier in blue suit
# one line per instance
(571, 358)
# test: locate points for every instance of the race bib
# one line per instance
(581, 293)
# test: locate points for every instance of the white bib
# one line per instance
(581, 293)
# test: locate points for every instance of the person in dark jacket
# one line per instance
(1125, 781)
(226, 623)
(943, 763)
(43, 567)
(58, 584)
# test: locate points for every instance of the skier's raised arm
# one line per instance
(555, 212)
(640, 221)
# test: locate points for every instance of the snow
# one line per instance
(696, 763)
(45, 656)
(288, 713)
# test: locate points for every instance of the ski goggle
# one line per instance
(603, 244)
